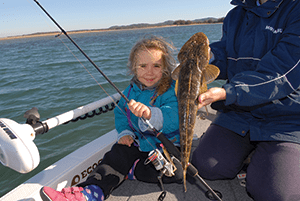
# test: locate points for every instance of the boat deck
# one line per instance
(231, 190)
(70, 169)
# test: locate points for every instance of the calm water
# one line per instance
(41, 72)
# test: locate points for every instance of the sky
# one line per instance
(19, 17)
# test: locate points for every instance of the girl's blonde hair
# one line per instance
(157, 43)
(169, 63)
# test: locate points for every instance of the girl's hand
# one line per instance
(126, 140)
(139, 109)
(212, 95)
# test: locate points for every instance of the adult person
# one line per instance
(259, 106)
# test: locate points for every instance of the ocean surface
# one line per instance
(42, 72)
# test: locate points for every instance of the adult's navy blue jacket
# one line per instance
(259, 56)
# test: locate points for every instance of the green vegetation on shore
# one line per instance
(170, 23)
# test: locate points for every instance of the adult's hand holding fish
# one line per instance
(139, 109)
(211, 95)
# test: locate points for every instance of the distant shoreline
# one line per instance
(91, 31)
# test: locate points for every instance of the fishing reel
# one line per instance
(163, 165)
(17, 149)
(160, 163)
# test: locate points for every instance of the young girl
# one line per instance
(152, 96)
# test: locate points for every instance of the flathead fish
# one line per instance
(192, 75)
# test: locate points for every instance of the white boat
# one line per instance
(75, 167)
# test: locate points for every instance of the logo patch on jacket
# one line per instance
(275, 31)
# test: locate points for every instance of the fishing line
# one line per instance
(126, 99)
(58, 36)
(88, 58)
(46, 21)
(165, 141)
(110, 82)
(133, 124)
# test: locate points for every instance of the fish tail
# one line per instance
(184, 180)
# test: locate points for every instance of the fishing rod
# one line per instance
(165, 141)
(17, 149)
(88, 58)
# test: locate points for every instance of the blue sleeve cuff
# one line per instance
(230, 94)
(156, 120)
(126, 132)
(212, 57)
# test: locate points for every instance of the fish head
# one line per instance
(196, 46)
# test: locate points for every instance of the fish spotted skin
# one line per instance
(193, 75)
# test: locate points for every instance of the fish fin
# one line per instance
(184, 181)
(206, 110)
(176, 87)
(202, 88)
(211, 72)
(175, 72)
(175, 76)
(169, 158)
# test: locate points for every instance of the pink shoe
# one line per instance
(66, 194)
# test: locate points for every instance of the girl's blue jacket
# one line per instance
(164, 117)
(259, 56)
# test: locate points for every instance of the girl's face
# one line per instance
(149, 66)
